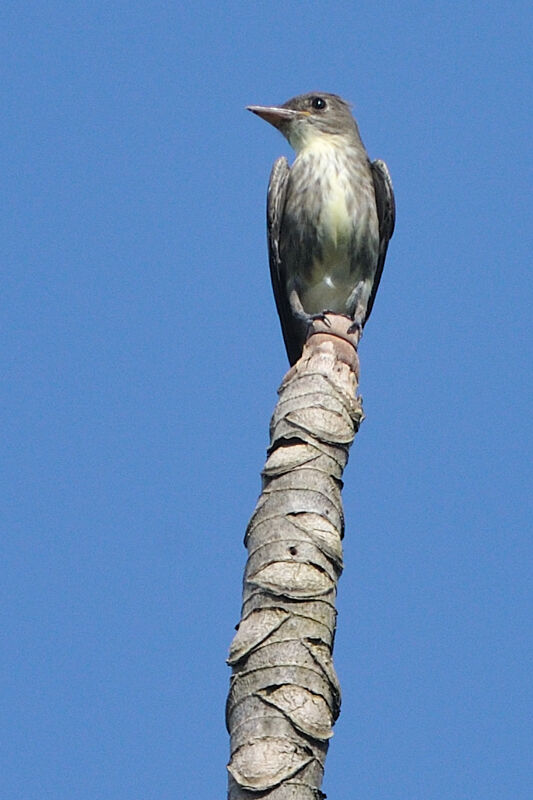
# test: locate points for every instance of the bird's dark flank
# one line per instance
(330, 217)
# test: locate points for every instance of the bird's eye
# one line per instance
(318, 103)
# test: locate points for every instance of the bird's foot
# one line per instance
(356, 327)
(321, 316)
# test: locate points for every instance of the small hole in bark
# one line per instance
(293, 551)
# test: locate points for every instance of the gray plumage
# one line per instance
(330, 217)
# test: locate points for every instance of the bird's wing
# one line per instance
(277, 191)
(386, 210)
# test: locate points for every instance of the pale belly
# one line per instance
(331, 275)
(327, 285)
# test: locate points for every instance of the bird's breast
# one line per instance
(331, 204)
(331, 190)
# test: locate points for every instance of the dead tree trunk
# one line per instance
(284, 696)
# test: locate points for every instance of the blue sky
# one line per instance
(140, 359)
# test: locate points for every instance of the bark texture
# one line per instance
(284, 695)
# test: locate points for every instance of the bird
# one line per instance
(330, 217)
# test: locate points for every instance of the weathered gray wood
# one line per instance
(284, 695)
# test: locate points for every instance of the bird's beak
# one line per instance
(275, 114)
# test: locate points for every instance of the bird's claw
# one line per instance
(355, 327)
(322, 317)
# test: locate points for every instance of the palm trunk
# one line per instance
(284, 696)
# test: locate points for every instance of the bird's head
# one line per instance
(304, 118)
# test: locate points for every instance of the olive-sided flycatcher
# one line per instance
(330, 217)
